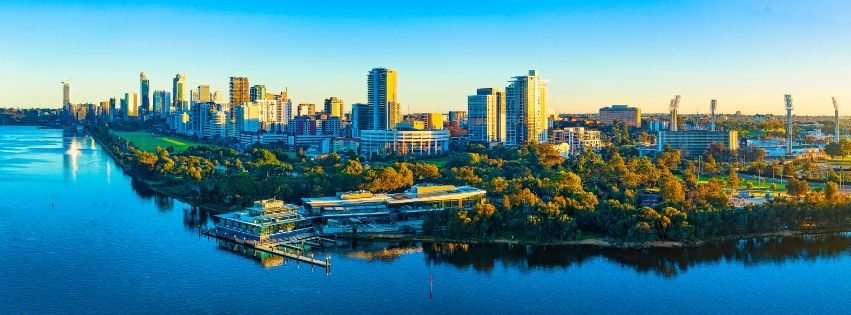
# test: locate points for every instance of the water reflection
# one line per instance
(663, 262)
(195, 217)
(69, 159)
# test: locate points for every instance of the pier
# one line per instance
(271, 248)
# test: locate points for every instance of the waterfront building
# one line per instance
(258, 93)
(631, 116)
(145, 92)
(578, 139)
(334, 107)
(239, 90)
(486, 120)
(366, 212)
(404, 142)
(306, 109)
(381, 98)
(267, 220)
(526, 109)
(692, 143)
(180, 98)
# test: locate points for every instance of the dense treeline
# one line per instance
(534, 194)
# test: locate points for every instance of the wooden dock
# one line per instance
(271, 248)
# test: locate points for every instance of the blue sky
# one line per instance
(745, 53)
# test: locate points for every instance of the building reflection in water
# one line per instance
(70, 158)
(194, 217)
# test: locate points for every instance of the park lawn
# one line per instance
(438, 161)
(148, 142)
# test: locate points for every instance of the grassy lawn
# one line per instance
(148, 142)
(439, 161)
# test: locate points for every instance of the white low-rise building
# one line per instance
(404, 142)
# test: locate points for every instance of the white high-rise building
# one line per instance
(486, 115)
(526, 109)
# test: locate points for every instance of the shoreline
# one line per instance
(594, 241)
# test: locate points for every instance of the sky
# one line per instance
(745, 53)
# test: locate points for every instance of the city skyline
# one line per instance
(744, 54)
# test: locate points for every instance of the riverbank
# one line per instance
(158, 187)
(590, 241)
(172, 187)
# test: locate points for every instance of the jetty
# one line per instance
(285, 249)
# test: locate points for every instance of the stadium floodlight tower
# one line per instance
(712, 105)
(788, 98)
(675, 103)
(835, 120)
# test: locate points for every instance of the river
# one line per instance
(79, 236)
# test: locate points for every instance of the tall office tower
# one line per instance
(334, 107)
(130, 105)
(103, 110)
(381, 98)
(239, 90)
(113, 102)
(526, 109)
(306, 109)
(66, 96)
(258, 93)
(486, 115)
(361, 118)
(180, 98)
(145, 92)
(162, 103)
(204, 95)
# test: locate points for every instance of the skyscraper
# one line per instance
(66, 96)
(162, 103)
(486, 115)
(381, 98)
(178, 93)
(526, 109)
(258, 93)
(239, 90)
(334, 107)
(145, 92)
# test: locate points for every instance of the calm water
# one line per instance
(80, 237)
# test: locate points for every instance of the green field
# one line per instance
(148, 142)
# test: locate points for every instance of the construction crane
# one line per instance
(675, 104)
